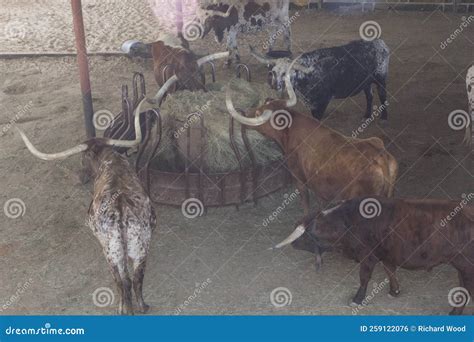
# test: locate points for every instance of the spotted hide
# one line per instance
(246, 17)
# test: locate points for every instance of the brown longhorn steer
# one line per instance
(332, 165)
(171, 58)
(407, 233)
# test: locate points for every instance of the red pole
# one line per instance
(83, 67)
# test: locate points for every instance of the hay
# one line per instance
(219, 155)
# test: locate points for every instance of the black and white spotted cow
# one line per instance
(336, 72)
(240, 16)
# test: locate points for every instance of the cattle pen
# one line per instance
(216, 260)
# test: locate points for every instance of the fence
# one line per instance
(455, 5)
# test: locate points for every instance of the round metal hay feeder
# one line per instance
(213, 189)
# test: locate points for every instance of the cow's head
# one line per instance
(92, 164)
(272, 118)
(279, 68)
(181, 62)
(91, 149)
(218, 17)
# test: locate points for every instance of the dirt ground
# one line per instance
(50, 263)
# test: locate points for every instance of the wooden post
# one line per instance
(83, 64)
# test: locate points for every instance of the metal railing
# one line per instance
(372, 4)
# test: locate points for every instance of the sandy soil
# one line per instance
(55, 261)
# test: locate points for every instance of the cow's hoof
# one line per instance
(394, 294)
(125, 312)
(455, 312)
(353, 304)
(144, 309)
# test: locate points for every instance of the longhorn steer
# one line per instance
(249, 16)
(171, 58)
(407, 233)
(121, 215)
(336, 72)
(332, 165)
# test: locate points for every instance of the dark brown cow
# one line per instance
(407, 233)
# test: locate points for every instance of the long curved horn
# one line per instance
(52, 156)
(83, 147)
(138, 131)
(292, 237)
(289, 87)
(159, 95)
(302, 68)
(260, 120)
(260, 58)
(212, 57)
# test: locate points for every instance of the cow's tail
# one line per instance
(382, 58)
(388, 166)
(392, 174)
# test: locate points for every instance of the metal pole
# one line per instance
(179, 17)
(83, 67)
